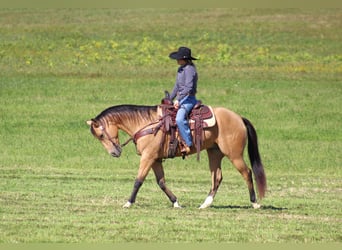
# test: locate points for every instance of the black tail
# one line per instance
(255, 159)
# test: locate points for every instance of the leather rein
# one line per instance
(140, 133)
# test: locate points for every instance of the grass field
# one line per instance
(282, 69)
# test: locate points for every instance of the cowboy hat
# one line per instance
(182, 53)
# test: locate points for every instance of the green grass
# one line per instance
(282, 69)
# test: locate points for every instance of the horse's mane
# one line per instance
(122, 113)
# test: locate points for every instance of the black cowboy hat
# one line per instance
(182, 53)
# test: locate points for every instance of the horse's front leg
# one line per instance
(144, 168)
(215, 158)
(160, 178)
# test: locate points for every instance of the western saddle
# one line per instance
(200, 117)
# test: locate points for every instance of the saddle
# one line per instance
(200, 118)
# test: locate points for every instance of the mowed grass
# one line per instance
(279, 68)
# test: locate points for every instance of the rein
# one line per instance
(143, 131)
(140, 133)
(126, 142)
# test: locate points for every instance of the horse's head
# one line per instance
(109, 137)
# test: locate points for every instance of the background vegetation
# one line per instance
(282, 69)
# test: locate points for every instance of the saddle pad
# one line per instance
(207, 123)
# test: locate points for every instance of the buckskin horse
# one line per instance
(227, 137)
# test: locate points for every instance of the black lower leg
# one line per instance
(169, 194)
(252, 196)
(136, 187)
(251, 189)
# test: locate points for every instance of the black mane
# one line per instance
(133, 112)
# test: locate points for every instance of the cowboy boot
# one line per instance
(185, 150)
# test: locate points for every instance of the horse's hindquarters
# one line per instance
(232, 136)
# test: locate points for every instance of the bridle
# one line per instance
(118, 147)
(141, 132)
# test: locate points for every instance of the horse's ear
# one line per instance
(92, 122)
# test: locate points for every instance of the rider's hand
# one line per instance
(176, 104)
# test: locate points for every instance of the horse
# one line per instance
(227, 138)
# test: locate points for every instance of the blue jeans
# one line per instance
(186, 106)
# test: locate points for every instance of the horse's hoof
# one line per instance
(256, 205)
(207, 203)
(176, 205)
(127, 205)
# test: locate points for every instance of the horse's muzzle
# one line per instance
(116, 152)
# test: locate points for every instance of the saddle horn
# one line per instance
(166, 100)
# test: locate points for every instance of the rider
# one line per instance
(184, 91)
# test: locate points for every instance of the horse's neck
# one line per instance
(132, 126)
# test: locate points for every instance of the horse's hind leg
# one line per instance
(215, 158)
(160, 178)
(246, 173)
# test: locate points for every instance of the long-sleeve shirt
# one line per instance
(186, 82)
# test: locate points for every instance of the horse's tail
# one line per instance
(255, 159)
